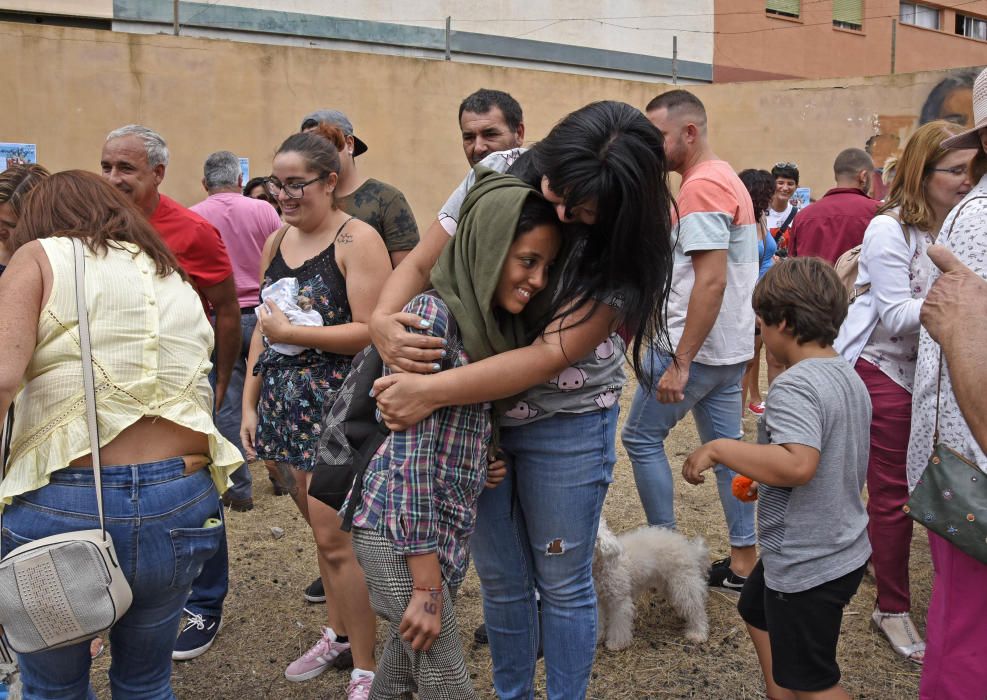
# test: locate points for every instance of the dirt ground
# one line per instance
(267, 623)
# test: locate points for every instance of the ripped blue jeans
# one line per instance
(537, 529)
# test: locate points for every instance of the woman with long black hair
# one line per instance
(603, 168)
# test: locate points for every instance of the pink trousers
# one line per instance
(889, 529)
(956, 629)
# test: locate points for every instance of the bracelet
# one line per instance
(427, 589)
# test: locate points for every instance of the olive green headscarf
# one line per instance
(468, 271)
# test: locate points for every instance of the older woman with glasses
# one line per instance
(880, 338)
(340, 264)
(957, 637)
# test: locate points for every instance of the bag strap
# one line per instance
(88, 379)
(8, 428)
(788, 222)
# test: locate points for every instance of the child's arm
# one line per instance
(422, 620)
(410, 517)
(784, 465)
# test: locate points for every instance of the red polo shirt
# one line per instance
(194, 241)
(833, 225)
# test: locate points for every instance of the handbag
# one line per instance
(67, 588)
(950, 498)
(350, 432)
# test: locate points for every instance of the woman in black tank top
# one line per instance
(340, 264)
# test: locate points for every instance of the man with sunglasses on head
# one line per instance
(836, 223)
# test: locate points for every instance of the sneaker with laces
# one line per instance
(197, 635)
(359, 687)
(721, 577)
(316, 592)
(317, 659)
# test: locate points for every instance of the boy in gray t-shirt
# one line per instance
(810, 470)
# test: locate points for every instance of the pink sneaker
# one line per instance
(756, 408)
(359, 688)
(317, 659)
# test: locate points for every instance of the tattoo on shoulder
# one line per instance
(344, 237)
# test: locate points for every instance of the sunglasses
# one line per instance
(785, 166)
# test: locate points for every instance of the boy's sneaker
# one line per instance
(317, 659)
(722, 578)
(316, 592)
(359, 687)
(197, 635)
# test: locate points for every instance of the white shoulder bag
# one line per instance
(67, 588)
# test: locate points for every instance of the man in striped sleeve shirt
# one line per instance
(710, 327)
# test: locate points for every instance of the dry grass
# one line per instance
(267, 624)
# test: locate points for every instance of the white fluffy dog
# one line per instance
(649, 558)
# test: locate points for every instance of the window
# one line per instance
(972, 27)
(785, 8)
(848, 14)
(919, 15)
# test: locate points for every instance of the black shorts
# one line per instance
(803, 627)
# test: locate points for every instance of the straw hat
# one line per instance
(971, 137)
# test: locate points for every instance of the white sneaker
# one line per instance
(359, 687)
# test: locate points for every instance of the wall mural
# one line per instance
(950, 99)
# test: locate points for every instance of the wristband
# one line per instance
(427, 589)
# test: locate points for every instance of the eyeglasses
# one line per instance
(785, 166)
(292, 190)
(955, 171)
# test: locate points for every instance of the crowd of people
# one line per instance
(226, 333)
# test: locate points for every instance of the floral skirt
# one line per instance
(290, 411)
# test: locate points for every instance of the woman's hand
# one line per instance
(248, 432)
(402, 350)
(422, 620)
(273, 323)
(403, 400)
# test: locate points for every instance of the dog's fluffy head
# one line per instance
(607, 545)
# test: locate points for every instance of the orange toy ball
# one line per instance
(741, 488)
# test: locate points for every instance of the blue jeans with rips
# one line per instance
(537, 529)
(713, 395)
(155, 515)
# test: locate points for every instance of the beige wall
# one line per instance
(66, 88)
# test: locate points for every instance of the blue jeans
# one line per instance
(713, 395)
(155, 515)
(228, 415)
(210, 588)
(537, 529)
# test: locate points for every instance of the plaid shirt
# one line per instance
(420, 489)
